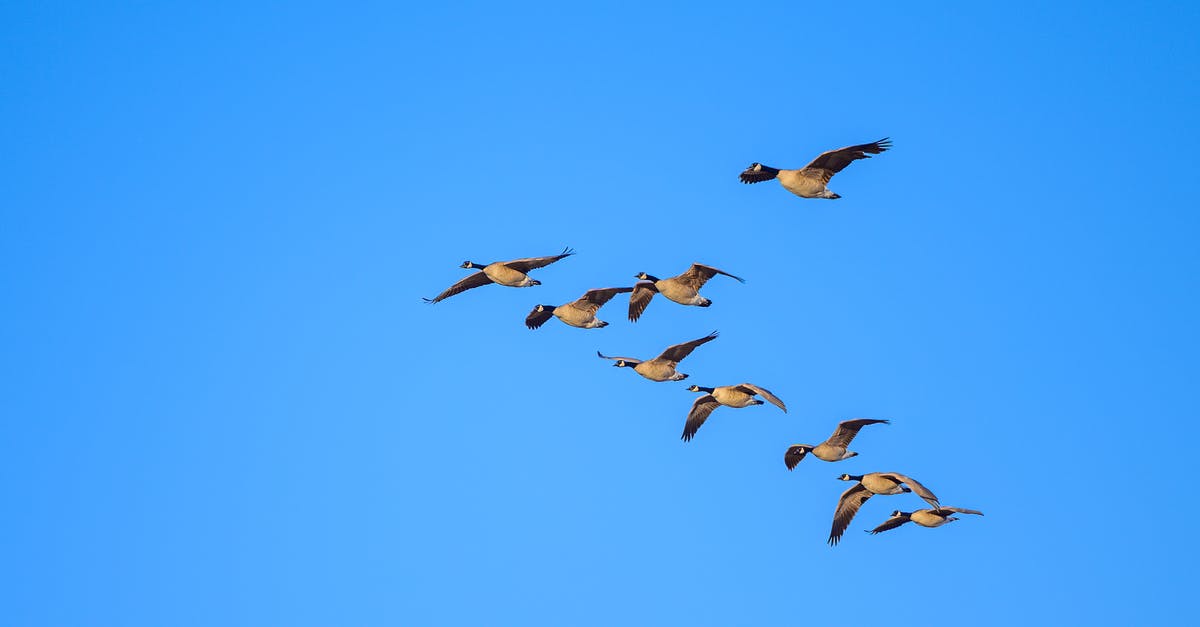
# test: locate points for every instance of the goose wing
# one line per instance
(916, 486)
(529, 263)
(829, 163)
(959, 510)
(537, 318)
(752, 389)
(593, 300)
(847, 429)
(701, 408)
(794, 454)
(643, 292)
(891, 523)
(696, 276)
(847, 507)
(628, 359)
(677, 352)
(472, 281)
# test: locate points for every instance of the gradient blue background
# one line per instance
(225, 404)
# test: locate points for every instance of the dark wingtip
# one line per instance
(429, 301)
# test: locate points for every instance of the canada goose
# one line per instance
(811, 180)
(833, 449)
(683, 289)
(510, 273)
(869, 485)
(729, 395)
(578, 313)
(924, 517)
(662, 368)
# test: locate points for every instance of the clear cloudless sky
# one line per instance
(224, 402)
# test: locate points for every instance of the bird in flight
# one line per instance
(811, 180)
(683, 289)
(509, 273)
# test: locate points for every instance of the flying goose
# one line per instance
(662, 368)
(578, 313)
(924, 517)
(833, 449)
(729, 395)
(510, 273)
(811, 180)
(683, 289)
(867, 486)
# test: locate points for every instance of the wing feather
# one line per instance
(628, 359)
(642, 294)
(765, 393)
(916, 486)
(677, 352)
(848, 505)
(529, 263)
(701, 409)
(593, 300)
(891, 523)
(847, 429)
(698, 274)
(470, 282)
(829, 163)
(959, 510)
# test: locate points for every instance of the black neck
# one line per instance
(704, 389)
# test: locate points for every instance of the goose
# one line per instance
(924, 517)
(578, 313)
(737, 396)
(509, 273)
(683, 289)
(833, 449)
(662, 368)
(811, 180)
(867, 486)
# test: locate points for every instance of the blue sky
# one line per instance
(225, 403)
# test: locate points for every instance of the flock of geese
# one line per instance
(811, 181)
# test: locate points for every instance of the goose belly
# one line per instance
(657, 371)
(576, 317)
(926, 518)
(680, 293)
(733, 398)
(505, 275)
(880, 485)
(831, 453)
(800, 185)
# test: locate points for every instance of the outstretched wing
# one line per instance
(627, 359)
(921, 490)
(891, 523)
(829, 163)
(537, 318)
(700, 411)
(794, 454)
(593, 300)
(679, 351)
(758, 173)
(529, 263)
(697, 275)
(643, 292)
(847, 429)
(959, 510)
(750, 388)
(472, 281)
(847, 507)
